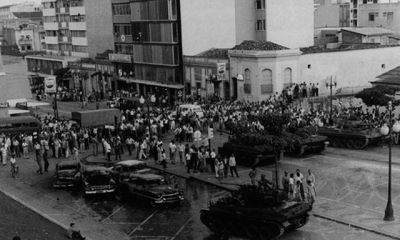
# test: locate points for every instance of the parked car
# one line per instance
(152, 187)
(122, 169)
(97, 179)
(67, 174)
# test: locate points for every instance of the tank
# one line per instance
(351, 134)
(255, 214)
(248, 155)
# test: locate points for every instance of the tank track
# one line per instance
(249, 228)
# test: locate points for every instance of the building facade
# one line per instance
(380, 15)
(66, 27)
(148, 47)
(357, 5)
(7, 12)
(329, 14)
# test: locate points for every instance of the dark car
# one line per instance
(67, 174)
(97, 180)
(123, 169)
(152, 187)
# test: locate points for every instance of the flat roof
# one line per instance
(369, 31)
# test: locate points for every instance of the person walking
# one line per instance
(3, 154)
(216, 167)
(300, 178)
(253, 175)
(118, 147)
(285, 182)
(57, 145)
(213, 155)
(188, 161)
(163, 159)
(25, 149)
(181, 149)
(311, 178)
(108, 150)
(46, 161)
(220, 169)
(311, 195)
(232, 165)
(172, 151)
(143, 148)
(39, 162)
(129, 143)
(291, 187)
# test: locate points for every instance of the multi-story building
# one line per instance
(332, 14)
(148, 51)
(66, 25)
(386, 15)
(355, 6)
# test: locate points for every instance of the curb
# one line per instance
(37, 211)
(381, 232)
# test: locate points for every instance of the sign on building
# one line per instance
(221, 71)
(50, 84)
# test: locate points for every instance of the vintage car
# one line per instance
(67, 174)
(122, 169)
(97, 180)
(152, 187)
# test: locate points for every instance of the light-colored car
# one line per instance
(97, 180)
(122, 169)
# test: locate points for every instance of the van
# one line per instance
(187, 108)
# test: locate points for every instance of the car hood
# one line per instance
(162, 189)
(66, 173)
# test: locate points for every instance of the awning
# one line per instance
(129, 80)
(391, 77)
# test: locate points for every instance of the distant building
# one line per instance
(357, 5)
(380, 15)
(13, 11)
(328, 14)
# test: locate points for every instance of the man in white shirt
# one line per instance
(232, 165)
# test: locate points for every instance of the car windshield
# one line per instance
(68, 167)
(98, 179)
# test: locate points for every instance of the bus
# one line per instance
(19, 124)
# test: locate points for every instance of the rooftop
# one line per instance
(391, 77)
(215, 53)
(29, 15)
(369, 31)
(250, 45)
(343, 47)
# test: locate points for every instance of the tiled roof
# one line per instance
(391, 77)
(215, 53)
(258, 46)
(369, 31)
(395, 36)
(343, 47)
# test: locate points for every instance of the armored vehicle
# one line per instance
(248, 155)
(256, 214)
(351, 134)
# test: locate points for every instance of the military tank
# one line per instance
(351, 134)
(255, 214)
(248, 156)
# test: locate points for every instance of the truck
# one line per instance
(100, 117)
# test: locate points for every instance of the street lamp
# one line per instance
(330, 83)
(388, 130)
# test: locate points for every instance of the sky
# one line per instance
(9, 2)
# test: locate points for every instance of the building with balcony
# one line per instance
(355, 7)
(148, 48)
(65, 24)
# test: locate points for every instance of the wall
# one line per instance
(365, 9)
(351, 68)
(207, 24)
(350, 37)
(99, 34)
(290, 23)
(245, 11)
(327, 15)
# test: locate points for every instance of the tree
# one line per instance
(378, 96)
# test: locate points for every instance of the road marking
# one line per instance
(138, 227)
(181, 229)
(113, 213)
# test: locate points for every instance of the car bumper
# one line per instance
(99, 191)
(63, 184)
(169, 201)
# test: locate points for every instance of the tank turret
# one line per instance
(256, 212)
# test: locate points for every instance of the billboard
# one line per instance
(50, 84)
(221, 71)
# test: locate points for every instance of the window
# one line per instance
(260, 4)
(309, 66)
(376, 14)
(371, 16)
(287, 81)
(197, 73)
(121, 9)
(383, 65)
(390, 16)
(384, 14)
(122, 29)
(266, 87)
(260, 25)
(247, 81)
